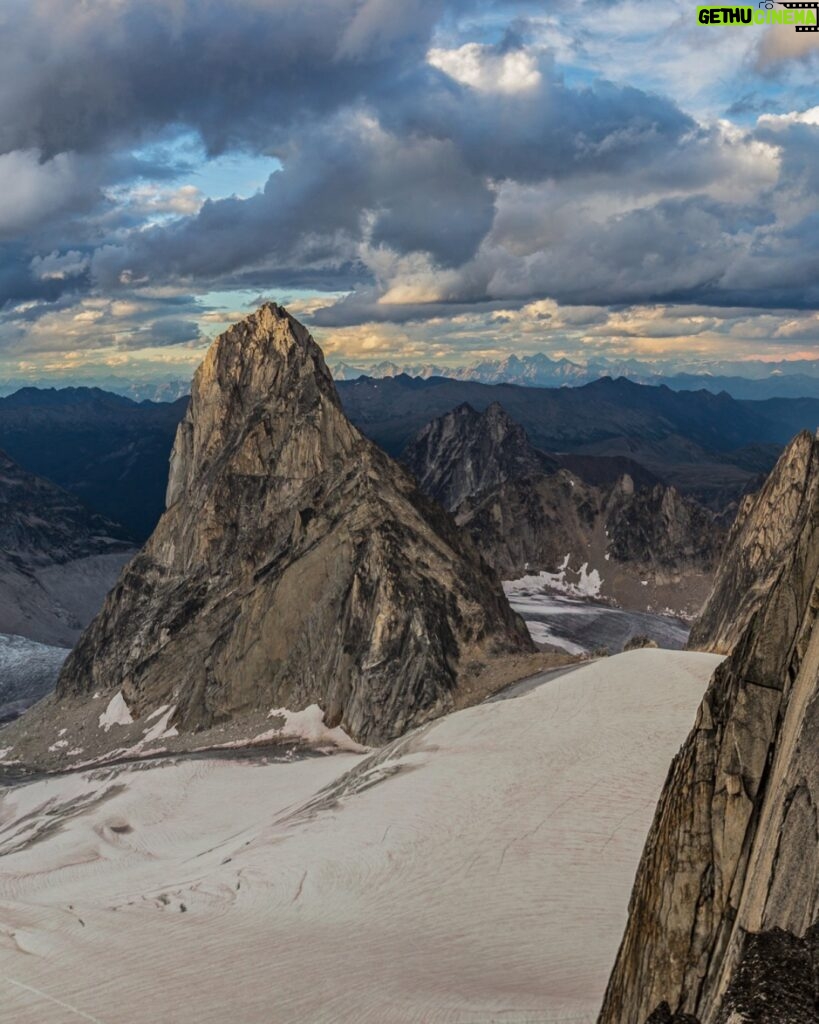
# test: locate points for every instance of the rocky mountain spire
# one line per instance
(295, 564)
(720, 922)
(465, 453)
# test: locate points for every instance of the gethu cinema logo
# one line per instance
(803, 16)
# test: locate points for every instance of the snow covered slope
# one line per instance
(475, 870)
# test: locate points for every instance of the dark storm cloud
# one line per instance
(416, 171)
(799, 146)
(549, 131)
(414, 194)
(174, 332)
(20, 285)
(81, 74)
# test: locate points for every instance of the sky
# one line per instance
(422, 181)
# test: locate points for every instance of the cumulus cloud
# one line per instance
(487, 69)
(780, 44)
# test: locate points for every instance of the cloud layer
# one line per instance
(430, 161)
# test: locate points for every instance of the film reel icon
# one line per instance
(798, 7)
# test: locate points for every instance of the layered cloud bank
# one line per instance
(420, 180)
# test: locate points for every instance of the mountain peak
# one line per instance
(295, 564)
(464, 453)
(265, 369)
(256, 351)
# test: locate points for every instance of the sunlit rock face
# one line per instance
(727, 894)
(295, 564)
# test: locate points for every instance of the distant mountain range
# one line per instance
(712, 447)
(741, 379)
(112, 452)
(753, 380)
(166, 389)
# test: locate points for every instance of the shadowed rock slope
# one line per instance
(527, 510)
(466, 453)
(108, 451)
(296, 563)
(58, 559)
(727, 894)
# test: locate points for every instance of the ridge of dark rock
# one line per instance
(759, 541)
(57, 558)
(466, 453)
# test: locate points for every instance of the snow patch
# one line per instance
(160, 731)
(308, 725)
(453, 836)
(572, 582)
(117, 713)
(59, 745)
(157, 713)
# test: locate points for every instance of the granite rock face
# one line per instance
(657, 526)
(757, 546)
(296, 563)
(731, 864)
(467, 453)
(775, 982)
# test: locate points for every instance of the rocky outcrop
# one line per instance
(295, 564)
(466, 453)
(658, 527)
(637, 643)
(57, 558)
(733, 854)
(528, 510)
(775, 982)
(762, 535)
